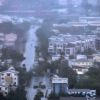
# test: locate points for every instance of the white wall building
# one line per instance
(70, 44)
(9, 77)
(8, 80)
(81, 66)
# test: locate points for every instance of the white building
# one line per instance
(81, 66)
(70, 44)
(8, 80)
(9, 77)
(60, 85)
(10, 39)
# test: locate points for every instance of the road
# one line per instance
(30, 56)
(31, 92)
(30, 48)
(29, 62)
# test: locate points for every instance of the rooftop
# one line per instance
(71, 38)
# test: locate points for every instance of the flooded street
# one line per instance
(30, 48)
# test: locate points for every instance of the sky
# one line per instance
(1, 2)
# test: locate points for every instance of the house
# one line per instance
(9, 78)
(81, 66)
(59, 85)
(10, 39)
(70, 45)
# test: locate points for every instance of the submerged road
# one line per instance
(30, 48)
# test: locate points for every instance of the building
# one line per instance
(70, 44)
(10, 40)
(60, 85)
(9, 78)
(81, 66)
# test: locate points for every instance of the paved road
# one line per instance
(31, 92)
(30, 48)
(29, 61)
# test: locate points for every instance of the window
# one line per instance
(2, 74)
(8, 74)
(5, 93)
(15, 83)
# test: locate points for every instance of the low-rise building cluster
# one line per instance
(7, 40)
(74, 49)
(70, 44)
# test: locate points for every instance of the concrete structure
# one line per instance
(81, 66)
(69, 44)
(8, 80)
(9, 77)
(10, 39)
(60, 85)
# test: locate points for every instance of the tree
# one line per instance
(39, 95)
(6, 27)
(92, 81)
(66, 71)
(8, 53)
(2, 97)
(19, 94)
(61, 68)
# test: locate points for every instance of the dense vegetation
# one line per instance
(91, 80)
